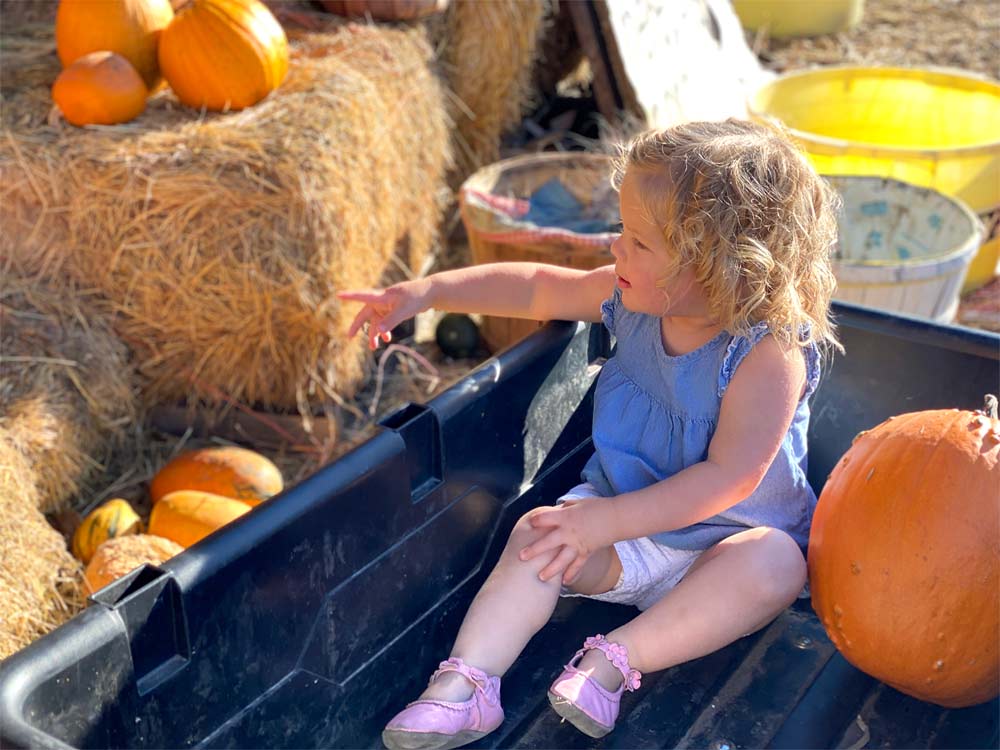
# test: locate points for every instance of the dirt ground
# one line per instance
(909, 33)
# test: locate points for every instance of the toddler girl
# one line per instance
(695, 506)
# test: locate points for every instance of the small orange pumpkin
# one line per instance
(129, 27)
(112, 519)
(904, 554)
(232, 472)
(101, 88)
(223, 54)
(187, 516)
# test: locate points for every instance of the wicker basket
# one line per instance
(494, 235)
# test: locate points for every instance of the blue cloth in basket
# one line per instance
(552, 205)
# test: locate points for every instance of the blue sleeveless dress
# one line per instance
(655, 414)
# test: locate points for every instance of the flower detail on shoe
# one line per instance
(582, 700)
(617, 654)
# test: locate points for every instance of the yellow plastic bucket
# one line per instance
(787, 18)
(933, 128)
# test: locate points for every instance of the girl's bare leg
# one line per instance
(735, 588)
(511, 607)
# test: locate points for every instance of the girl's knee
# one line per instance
(523, 532)
(522, 535)
(782, 572)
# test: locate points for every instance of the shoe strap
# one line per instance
(617, 654)
(476, 676)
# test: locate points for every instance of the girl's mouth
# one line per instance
(623, 283)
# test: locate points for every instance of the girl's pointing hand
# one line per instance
(384, 309)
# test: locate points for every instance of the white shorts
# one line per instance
(649, 569)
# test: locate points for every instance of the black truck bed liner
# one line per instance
(312, 620)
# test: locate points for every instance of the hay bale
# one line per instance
(17, 13)
(488, 56)
(67, 393)
(219, 240)
(120, 556)
(40, 582)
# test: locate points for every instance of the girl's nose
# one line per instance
(616, 248)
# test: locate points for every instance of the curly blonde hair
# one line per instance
(748, 214)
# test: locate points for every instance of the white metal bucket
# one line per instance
(901, 247)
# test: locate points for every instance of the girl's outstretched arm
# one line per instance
(515, 290)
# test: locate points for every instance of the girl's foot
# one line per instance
(582, 700)
(434, 722)
(597, 666)
(450, 686)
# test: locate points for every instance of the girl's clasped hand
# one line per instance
(572, 530)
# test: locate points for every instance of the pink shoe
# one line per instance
(439, 725)
(582, 701)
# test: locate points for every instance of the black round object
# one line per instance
(457, 335)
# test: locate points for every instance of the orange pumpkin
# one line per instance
(904, 554)
(187, 516)
(129, 27)
(223, 54)
(101, 88)
(228, 471)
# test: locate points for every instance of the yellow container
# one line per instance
(933, 128)
(791, 18)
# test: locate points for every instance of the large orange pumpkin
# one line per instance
(101, 88)
(228, 471)
(223, 54)
(904, 555)
(129, 27)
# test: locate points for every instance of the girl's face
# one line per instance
(646, 266)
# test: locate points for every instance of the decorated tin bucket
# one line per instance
(902, 247)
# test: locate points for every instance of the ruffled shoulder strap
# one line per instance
(624, 324)
(612, 309)
(740, 346)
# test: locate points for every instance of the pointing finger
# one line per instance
(359, 320)
(361, 295)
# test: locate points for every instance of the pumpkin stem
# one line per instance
(990, 406)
